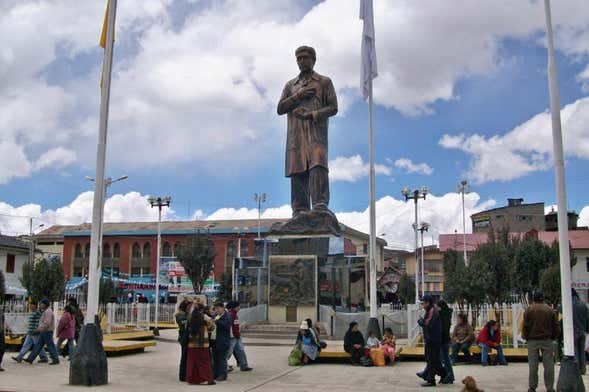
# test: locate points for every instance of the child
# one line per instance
(372, 341)
(388, 344)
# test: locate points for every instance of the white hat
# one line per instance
(304, 325)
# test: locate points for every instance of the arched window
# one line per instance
(166, 249)
(177, 248)
(244, 248)
(87, 250)
(146, 250)
(136, 251)
(78, 251)
(106, 251)
(116, 251)
(230, 253)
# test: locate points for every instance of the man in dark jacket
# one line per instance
(446, 320)
(540, 329)
(222, 340)
(580, 328)
(432, 333)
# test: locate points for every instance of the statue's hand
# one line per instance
(303, 113)
(305, 93)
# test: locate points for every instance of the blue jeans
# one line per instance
(464, 347)
(485, 354)
(236, 347)
(445, 357)
(580, 353)
(70, 346)
(219, 362)
(45, 339)
(27, 345)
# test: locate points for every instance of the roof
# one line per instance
(12, 242)
(508, 206)
(232, 226)
(579, 239)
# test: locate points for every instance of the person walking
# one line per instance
(45, 330)
(198, 357)
(446, 320)
(540, 329)
(490, 338)
(581, 329)
(235, 343)
(462, 338)
(222, 340)
(182, 321)
(78, 316)
(32, 336)
(66, 330)
(432, 332)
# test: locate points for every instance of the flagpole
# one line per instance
(372, 247)
(88, 365)
(569, 378)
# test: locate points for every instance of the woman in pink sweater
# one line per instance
(66, 330)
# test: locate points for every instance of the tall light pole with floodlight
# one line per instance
(260, 198)
(462, 189)
(158, 202)
(422, 227)
(415, 195)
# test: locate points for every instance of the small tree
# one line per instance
(550, 284)
(532, 257)
(197, 257)
(44, 279)
(406, 290)
(453, 277)
(107, 291)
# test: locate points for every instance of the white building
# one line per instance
(14, 253)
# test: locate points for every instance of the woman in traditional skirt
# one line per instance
(198, 364)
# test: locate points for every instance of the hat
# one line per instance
(45, 302)
(304, 325)
(427, 298)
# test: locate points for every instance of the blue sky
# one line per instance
(460, 92)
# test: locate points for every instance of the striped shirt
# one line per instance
(34, 321)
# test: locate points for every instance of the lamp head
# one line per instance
(151, 200)
(405, 191)
(424, 190)
(167, 200)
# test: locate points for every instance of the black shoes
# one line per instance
(429, 384)
(247, 369)
(222, 378)
(447, 380)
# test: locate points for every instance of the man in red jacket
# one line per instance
(489, 338)
(236, 344)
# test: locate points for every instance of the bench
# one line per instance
(338, 353)
(121, 347)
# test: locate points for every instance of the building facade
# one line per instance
(14, 253)
(516, 217)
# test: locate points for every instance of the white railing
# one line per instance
(127, 317)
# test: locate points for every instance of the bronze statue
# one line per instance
(308, 100)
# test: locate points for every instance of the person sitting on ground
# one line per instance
(309, 344)
(389, 344)
(372, 341)
(354, 343)
(490, 338)
(462, 338)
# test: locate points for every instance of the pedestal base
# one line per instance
(569, 378)
(88, 365)
(309, 223)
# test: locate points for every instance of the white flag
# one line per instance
(368, 71)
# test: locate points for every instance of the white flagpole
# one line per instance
(98, 204)
(373, 302)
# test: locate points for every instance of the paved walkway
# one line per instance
(156, 370)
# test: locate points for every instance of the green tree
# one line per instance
(44, 279)
(532, 257)
(197, 256)
(454, 271)
(406, 290)
(225, 287)
(106, 291)
(550, 284)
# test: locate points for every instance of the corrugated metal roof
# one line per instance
(12, 242)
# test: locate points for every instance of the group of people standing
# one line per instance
(39, 337)
(208, 338)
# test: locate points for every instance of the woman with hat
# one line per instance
(309, 343)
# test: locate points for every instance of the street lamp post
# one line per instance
(158, 202)
(415, 195)
(422, 227)
(32, 241)
(260, 198)
(462, 189)
(107, 182)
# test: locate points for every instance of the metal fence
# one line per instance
(510, 317)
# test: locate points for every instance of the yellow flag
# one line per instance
(104, 27)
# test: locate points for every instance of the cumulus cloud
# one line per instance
(584, 217)
(56, 157)
(525, 149)
(351, 169)
(410, 167)
(210, 79)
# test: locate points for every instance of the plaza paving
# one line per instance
(156, 370)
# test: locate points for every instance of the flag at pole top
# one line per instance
(104, 27)
(369, 71)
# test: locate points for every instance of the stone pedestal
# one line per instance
(88, 365)
(293, 294)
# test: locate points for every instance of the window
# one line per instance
(146, 250)
(230, 253)
(177, 247)
(10, 261)
(116, 251)
(244, 248)
(136, 251)
(106, 251)
(167, 249)
(364, 249)
(587, 264)
(87, 250)
(78, 251)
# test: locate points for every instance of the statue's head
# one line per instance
(305, 58)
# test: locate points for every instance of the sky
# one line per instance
(461, 94)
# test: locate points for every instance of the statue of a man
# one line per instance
(308, 100)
